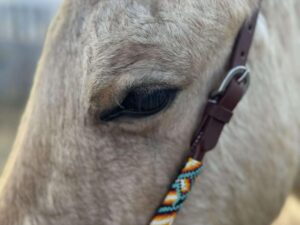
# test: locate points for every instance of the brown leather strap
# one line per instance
(215, 117)
(219, 109)
(243, 42)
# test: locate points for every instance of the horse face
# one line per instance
(119, 91)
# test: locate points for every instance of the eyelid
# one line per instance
(149, 87)
(152, 86)
(129, 112)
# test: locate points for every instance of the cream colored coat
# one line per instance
(67, 168)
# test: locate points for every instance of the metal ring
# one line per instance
(240, 72)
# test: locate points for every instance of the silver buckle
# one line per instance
(241, 73)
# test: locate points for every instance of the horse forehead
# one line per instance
(115, 23)
(116, 14)
(235, 8)
(156, 6)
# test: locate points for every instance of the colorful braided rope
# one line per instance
(178, 193)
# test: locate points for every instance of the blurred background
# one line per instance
(23, 26)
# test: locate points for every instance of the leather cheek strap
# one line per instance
(219, 111)
(215, 117)
(243, 42)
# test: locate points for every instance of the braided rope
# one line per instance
(179, 192)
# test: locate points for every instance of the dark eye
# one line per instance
(141, 102)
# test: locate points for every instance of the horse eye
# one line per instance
(141, 102)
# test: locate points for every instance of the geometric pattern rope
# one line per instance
(179, 192)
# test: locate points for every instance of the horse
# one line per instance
(78, 159)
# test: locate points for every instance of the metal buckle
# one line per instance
(240, 73)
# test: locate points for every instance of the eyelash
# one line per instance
(141, 102)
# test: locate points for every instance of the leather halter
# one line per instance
(219, 108)
(217, 113)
